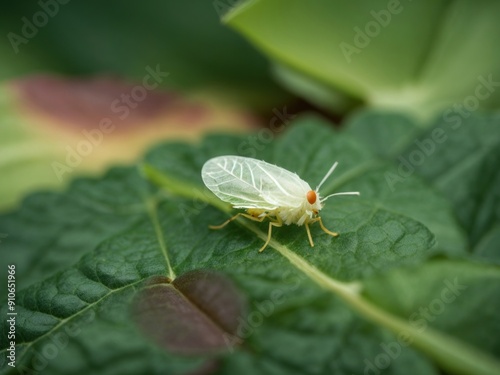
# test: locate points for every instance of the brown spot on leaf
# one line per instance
(85, 102)
(195, 314)
(64, 128)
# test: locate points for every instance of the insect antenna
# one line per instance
(346, 193)
(327, 175)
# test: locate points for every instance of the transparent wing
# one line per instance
(250, 183)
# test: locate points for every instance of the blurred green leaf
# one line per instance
(416, 56)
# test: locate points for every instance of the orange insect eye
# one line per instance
(311, 196)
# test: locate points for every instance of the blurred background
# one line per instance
(64, 64)
(86, 84)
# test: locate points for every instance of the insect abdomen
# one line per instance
(255, 212)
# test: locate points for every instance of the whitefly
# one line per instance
(266, 191)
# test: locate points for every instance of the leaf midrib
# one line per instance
(153, 215)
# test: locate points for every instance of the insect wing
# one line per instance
(250, 183)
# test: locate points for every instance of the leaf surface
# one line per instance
(300, 299)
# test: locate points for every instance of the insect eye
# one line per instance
(311, 196)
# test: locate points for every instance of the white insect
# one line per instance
(266, 190)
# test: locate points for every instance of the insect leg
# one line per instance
(272, 224)
(259, 219)
(334, 234)
(309, 235)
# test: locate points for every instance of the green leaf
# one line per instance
(79, 314)
(458, 156)
(463, 165)
(445, 294)
(93, 296)
(384, 133)
(63, 227)
(380, 52)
